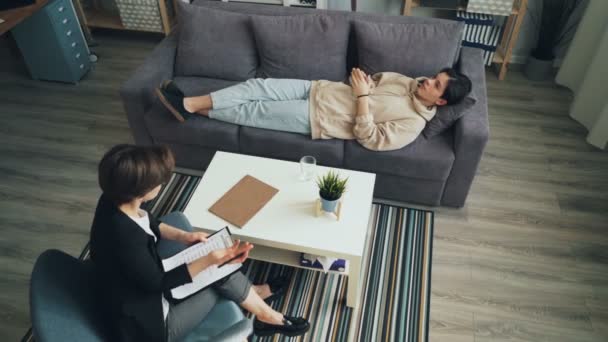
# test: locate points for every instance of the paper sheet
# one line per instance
(219, 240)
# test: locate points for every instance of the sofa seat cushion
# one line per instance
(290, 146)
(215, 43)
(410, 49)
(430, 159)
(309, 47)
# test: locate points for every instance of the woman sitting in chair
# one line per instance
(126, 244)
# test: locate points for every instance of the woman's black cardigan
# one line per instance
(130, 273)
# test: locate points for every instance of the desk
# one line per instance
(14, 16)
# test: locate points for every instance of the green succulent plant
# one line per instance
(331, 186)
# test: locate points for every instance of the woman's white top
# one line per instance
(144, 222)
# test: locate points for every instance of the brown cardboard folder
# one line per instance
(243, 200)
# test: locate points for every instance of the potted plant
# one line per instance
(331, 188)
(555, 28)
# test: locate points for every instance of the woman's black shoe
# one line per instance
(278, 287)
(292, 326)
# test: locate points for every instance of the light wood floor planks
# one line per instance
(525, 260)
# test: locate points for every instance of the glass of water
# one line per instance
(307, 168)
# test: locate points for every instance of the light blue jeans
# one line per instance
(278, 104)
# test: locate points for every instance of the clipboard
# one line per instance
(245, 199)
(234, 268)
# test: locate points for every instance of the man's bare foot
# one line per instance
(189, 105)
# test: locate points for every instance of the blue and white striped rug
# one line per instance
(396, 277)
(396, 284)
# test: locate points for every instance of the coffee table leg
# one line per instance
(353, 294)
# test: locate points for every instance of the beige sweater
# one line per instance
(396, 116)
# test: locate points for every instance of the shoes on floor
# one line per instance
(278, 287)
(292, 326)
(173, 99)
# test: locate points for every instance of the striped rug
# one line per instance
(396, 277)
(396, 283)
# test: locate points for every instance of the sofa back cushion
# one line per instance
(214, 43)
(411, 49)
(352, 51)
(303, 47)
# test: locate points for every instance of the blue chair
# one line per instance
(64, 306)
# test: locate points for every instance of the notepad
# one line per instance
(218, 240)
(245, 199)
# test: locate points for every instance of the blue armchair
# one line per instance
(64, 306)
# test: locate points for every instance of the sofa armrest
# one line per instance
(137, 92)
(471, 132)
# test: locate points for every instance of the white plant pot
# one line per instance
(329, 206)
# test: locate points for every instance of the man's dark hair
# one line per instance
(459, 86)
(127, 172)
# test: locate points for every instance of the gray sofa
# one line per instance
(431, 171)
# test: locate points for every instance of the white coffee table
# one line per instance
(287, 225)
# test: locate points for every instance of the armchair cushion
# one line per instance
(309, 47)
(65, 306)
(63, 300)
(414, 50)
(224, 323)
(215, 43)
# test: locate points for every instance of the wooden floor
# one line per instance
(525, 260)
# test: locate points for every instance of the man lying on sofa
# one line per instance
(384, 112)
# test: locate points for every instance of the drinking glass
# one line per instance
(307, 168)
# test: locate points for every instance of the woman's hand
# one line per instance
(238, 250)
(360, 82)
(191, 238)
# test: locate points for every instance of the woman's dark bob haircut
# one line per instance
(127, 172)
